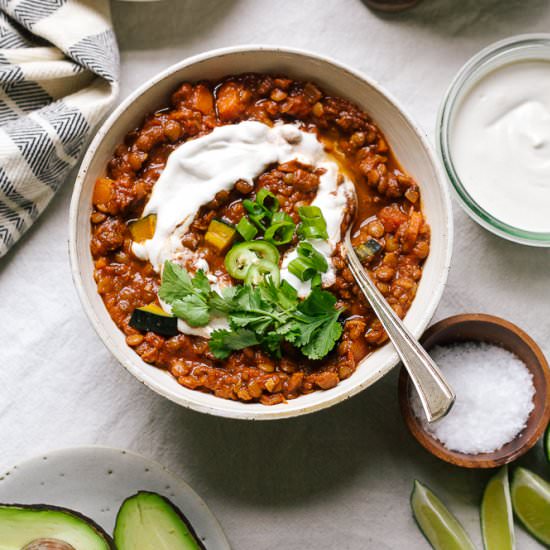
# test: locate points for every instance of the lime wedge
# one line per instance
(497, 519)
(547, 443)
(531, 502)
(437, 524)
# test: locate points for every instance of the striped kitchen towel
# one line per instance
(59, 71)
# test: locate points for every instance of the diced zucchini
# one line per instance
(144, 228)
(220, 235)
(153, 318)
(368, 249)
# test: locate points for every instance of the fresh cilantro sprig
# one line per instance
(191, 298)
(265, 315)
(275, 315)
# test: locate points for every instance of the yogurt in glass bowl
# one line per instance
(493, 135)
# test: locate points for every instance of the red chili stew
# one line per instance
(389, 221)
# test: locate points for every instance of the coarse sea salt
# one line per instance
(494, 397)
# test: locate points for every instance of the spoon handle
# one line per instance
(435, 393)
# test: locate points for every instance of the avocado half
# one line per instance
(148, 521)
(21, 525)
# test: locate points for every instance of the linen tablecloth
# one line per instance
(337, 479)
(59, 68)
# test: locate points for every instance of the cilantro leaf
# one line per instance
(176, 283)
(318, 302)
(223, 342)
(315, 327)
(200, 282)
(287, 295)
(272, 343)
(258, 322)
(265, 315)
(248, 299)
(192, 309)
(222, 303)
(323, 337)
(189, 296)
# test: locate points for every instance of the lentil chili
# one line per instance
(389, 221)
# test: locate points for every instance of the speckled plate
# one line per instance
(95, 480)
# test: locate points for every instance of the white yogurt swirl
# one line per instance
(200, 168)
(500, 144)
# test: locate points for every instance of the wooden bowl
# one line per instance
(493, 330)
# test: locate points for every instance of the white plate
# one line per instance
(95, 480)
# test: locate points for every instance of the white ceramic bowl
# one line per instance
(408, 142)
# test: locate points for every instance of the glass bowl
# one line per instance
(517, 48)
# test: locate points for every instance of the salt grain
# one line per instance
(494, 397)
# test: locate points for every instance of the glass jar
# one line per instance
(518, 48)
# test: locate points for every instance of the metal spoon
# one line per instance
(434, 391)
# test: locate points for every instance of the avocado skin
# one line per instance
(118, 534)
(99, 532)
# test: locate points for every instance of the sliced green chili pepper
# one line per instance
(262, 270)
(243, 255)
(281, 229)
(314, 225)
(246, 230)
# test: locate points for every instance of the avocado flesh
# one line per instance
(20, 525)
(148, 521)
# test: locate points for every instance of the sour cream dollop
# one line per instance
(200, 168)
(500, 144)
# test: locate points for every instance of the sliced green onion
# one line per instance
(312, 256)
(313, 224)
(281, 229)
(310, 232)
(310, 212)
(316, 281)
(301, 268)
(258, 214)
(267, 199)
(246, 230)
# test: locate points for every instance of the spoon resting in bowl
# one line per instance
(435, 394)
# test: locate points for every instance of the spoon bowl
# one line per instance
(436, 395)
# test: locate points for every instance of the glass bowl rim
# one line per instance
(465, 76)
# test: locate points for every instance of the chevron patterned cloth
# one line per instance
(59, 69)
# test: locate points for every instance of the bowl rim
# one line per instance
(468, 75)
(269, 413)
(456, 458)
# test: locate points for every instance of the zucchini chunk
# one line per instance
(367, 250)
(153, 318)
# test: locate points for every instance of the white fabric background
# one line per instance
(337, 479)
